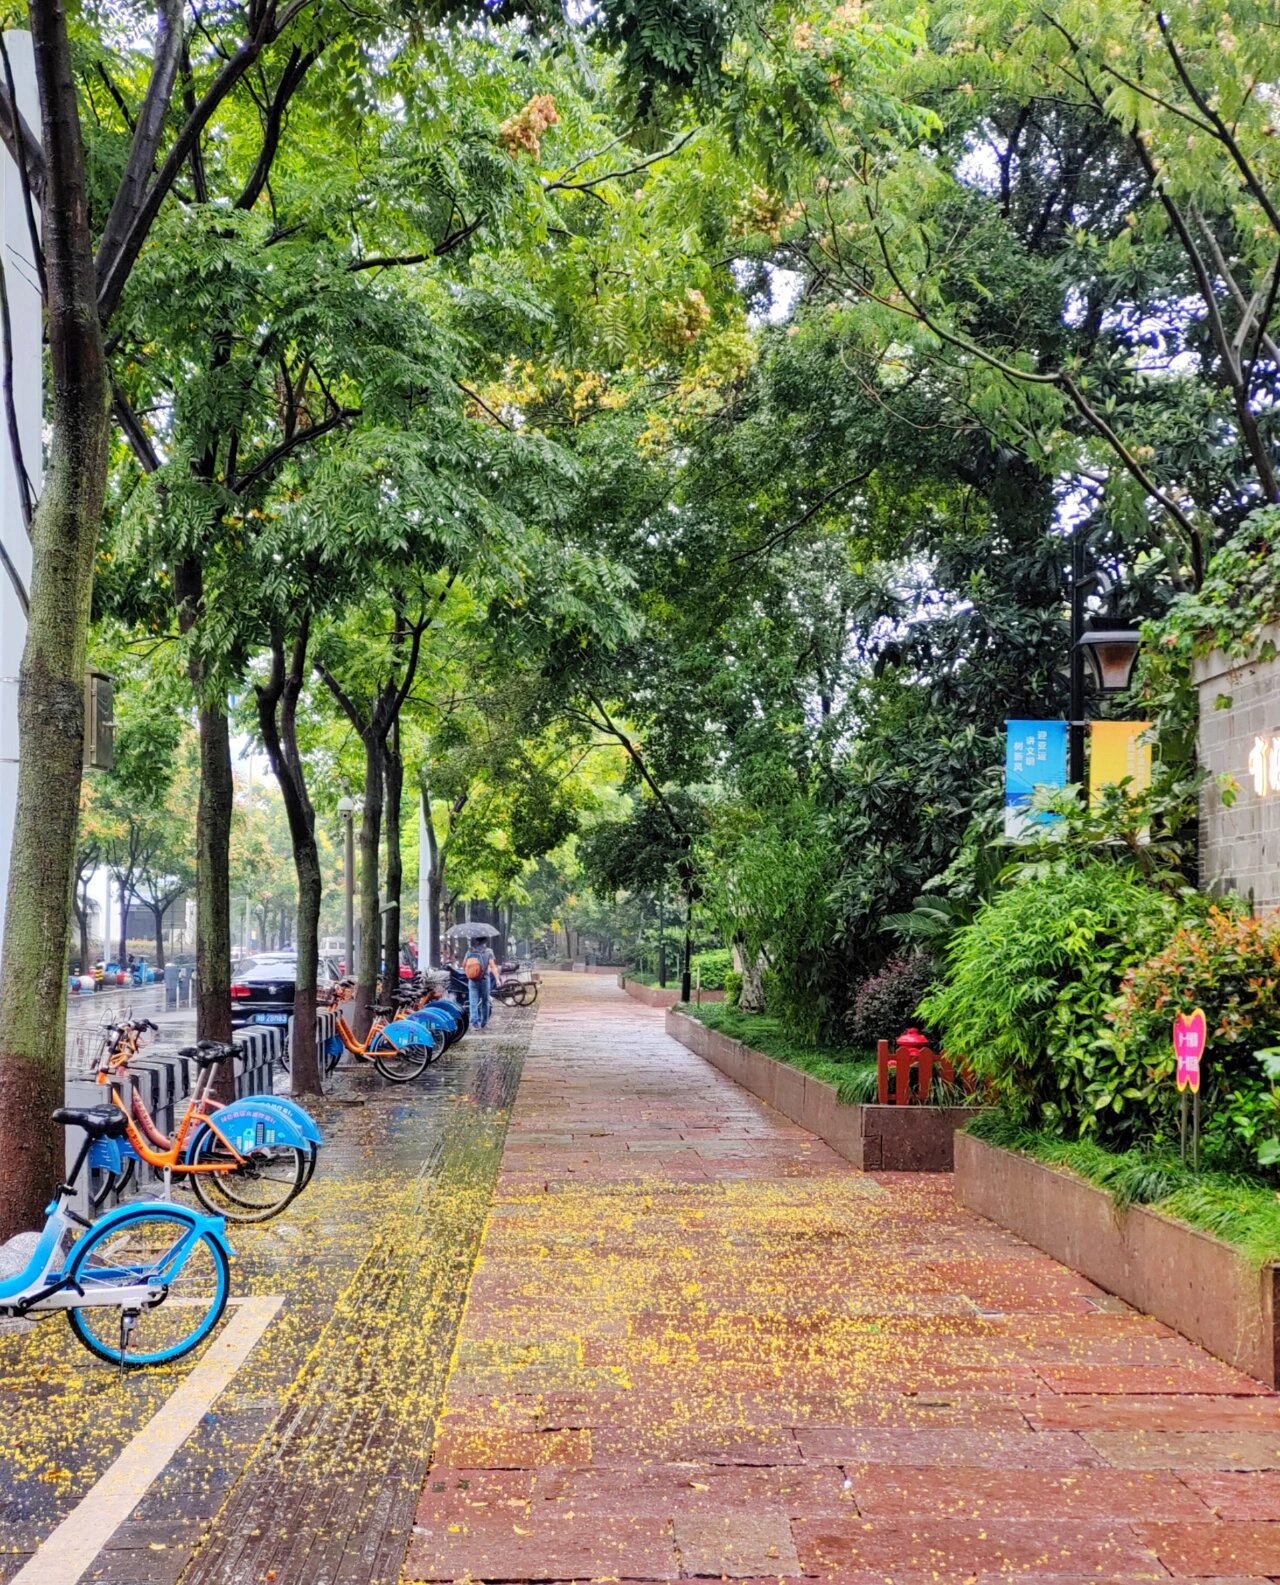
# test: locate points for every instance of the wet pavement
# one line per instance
(87, 1015)
(698, 1344)
(308, 1466)
(695, 1344)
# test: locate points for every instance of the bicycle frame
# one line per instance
(42, 1284)
(145, 1138)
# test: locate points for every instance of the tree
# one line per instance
(83, 279)
(278, 698)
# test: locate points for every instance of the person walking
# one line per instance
(481, 968)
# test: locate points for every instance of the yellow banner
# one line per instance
(1116, 750)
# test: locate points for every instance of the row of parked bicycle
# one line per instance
(149, 1280)
(413, 1023)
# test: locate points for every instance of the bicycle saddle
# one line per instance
(99, 1122)
(206, 1052)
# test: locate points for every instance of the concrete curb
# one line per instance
(661, 996)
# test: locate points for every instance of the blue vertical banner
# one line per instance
(1035, 756)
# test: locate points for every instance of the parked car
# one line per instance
(262, 987)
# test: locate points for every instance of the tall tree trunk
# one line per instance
(277, 719)
(126, 897)
(158, 915)
(64, 532)
(213, 887)
(393, 772)
(373, 726)
(82, 922)
(429, 928)
(213, 841)
(370, 916)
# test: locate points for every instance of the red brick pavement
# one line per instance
(698, 1344)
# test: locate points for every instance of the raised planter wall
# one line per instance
(662, 996)
(875, 1138)
(1190, 1280)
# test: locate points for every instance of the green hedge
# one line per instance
(714, 966)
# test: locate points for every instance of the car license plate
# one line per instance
(271, 1018)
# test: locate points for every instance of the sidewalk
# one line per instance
(306, 1468)
(697, 1343)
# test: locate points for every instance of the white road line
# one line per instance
(64, 1556)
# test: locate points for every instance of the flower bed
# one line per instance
(875, 1138)
(1194, 1282)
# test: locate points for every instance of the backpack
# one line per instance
(472, 967)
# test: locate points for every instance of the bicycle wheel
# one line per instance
(253, 1190)
(187, 1268)
(400, 1064)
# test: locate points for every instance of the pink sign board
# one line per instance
(1190, 1037)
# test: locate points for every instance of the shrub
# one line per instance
(732, 987)
(714, 966)
(767, 882)
(1228, 963)
(886, 1002)
(1031, 981)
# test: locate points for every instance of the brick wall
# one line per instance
(1240, 845)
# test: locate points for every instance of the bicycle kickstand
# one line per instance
(128, 1319)
(168, 1184)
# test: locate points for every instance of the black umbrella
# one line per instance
(470, 931)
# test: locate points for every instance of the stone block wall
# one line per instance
(1240, 845)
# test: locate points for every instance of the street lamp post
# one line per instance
(1110, 654)
(348, 808)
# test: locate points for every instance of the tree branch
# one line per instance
(300, 437)
(637, 759)
(114, 266)
(296, 68)
(28, 155)
(341, 695)
(147, 133)
(1225, 134)
(16, 134)
(445, 245)
(132, 428)
(480, 402)
(791, 528)
(561, 186)
(26, 496)
(15, 578)
(127, 115)
(1059, 377)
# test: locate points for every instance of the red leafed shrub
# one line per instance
(886, 1002)
(1228, 963)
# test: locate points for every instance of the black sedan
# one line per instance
(262, 987)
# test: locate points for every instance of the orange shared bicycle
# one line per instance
(244, 1161)
(402, 1041)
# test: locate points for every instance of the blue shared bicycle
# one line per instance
(143, 1286)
